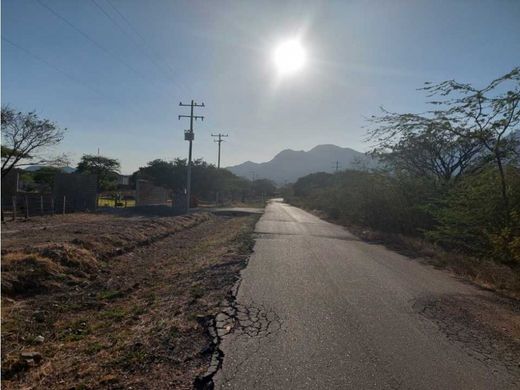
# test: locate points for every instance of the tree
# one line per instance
(486, 116)
(167, 174)
(207, 180)
(263, 187)
(25, 138)
(469, 124)
(106, 169)
(421, 146)
(44, 177)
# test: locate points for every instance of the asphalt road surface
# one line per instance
(320, 309)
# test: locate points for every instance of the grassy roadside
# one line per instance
(131, 320)
(482, 272)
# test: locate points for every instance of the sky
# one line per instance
(114, 71)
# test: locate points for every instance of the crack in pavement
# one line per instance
(251, 320)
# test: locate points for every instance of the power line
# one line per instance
(90, 39)
(136, 32)
(38, 58)
(190, 136)
(219, 141)
(337, 165)
(66, 74)
(134, 41)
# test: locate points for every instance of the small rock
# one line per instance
(30, 362)
(31, 355)
(109, 378)
(39, 339)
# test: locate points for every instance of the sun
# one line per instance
(289, 57)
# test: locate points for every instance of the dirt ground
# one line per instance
(101, 301)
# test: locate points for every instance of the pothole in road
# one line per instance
(487, 328)
(250, 320)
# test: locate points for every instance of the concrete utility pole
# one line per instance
(219, 141)
(190, 136)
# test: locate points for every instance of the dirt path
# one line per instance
(134, 320)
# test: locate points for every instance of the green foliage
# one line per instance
(474, 219)
(207, 180)
(263, 186)
(467, 216)
(106, 169)
(44, 177)
(372, 199)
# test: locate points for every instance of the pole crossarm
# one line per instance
(219, 140)
(194, 117)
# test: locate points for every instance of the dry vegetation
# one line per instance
(484, 273)
(98, 301)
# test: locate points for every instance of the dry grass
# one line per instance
(484, 273)
(117, 307)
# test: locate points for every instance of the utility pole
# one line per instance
(337, 164)
(219, 141)
(190, 136)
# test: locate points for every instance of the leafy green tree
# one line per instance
(263, 187)
(167, 174)
(207, 180)
(44, 177)
(470, 218)
(106, 169)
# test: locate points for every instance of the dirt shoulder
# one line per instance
(97, 301)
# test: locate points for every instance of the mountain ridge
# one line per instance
(288, 165)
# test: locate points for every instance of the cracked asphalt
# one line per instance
(319, 309)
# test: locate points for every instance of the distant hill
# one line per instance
(33, 168)
(289, 165)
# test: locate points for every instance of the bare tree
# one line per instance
(26, 138)
(421, 146)
(467, 124)
(487, 116)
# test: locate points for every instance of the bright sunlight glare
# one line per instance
(289, 57)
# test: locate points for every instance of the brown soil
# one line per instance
(99, 301)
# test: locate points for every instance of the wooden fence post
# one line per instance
(14, 208)
(26, 207)
(64, 202)
(41, 205)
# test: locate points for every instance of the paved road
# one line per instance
(320, 309)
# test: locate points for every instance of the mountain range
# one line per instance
(289, 165)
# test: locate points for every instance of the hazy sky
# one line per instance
(114, 71)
